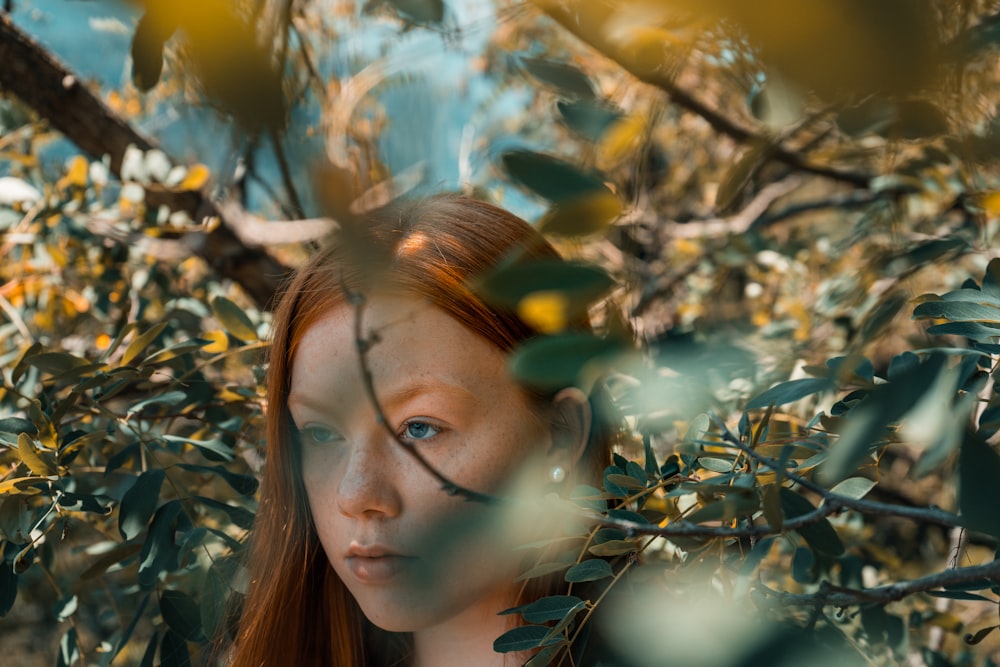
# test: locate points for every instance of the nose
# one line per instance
(369, 487)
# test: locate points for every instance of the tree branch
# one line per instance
(46, 85)
(587, 20)
(835, 596)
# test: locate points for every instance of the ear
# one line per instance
(571, 419)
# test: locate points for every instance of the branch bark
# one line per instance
(38, 79)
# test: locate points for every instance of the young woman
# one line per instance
(358, 556)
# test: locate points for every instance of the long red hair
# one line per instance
(297, 611)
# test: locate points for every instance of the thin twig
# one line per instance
(363, 345)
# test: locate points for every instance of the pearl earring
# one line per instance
(557, 475)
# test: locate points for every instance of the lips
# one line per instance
(377, 564)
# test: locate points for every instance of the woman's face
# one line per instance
(410, 554)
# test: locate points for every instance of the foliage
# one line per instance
(763, 192)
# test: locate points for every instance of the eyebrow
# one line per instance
(395, 398)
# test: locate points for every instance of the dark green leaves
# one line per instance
(521, 638)
(788, 392)
(565, 78)
(979, 485)
(139, 503)
(550, 177)
(181, 614)
(233, 319)
(552, 608)
(588, 570)
(819, 534)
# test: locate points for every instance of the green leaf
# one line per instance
(789, 392)
(119, 554)
(735, 181)
(56, 363)
(65, 607)
(17, 425)
(579, 282)
(151, 33)
(159, 551)
(555, 362)
(521, 638)
(991, 281)
(958, 311)
(979, 490)
(242, 517)
(552, 608)
(79, 502)
(139, 503)
(588, 570)
(420, 11)
(139, 343)
(244, 485)
(550, 177)
(854, 487)
(581, 216)
(8, 587)
(733, 506)
(981, 332)
(170, 398)
(613, 548)
(181, 614)
(214, 598)
(543, 570)
(804, 566)
(174, 651)
(233, 319)
(69, 649)
(820, 535)
(564, 77)
(213, 448)
(626, 482)
(751, 563)
(589, 118)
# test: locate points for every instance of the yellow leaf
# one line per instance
(77, 173)
(9, 487)
(139, 343)
(620, 141)
(33, 458)
(545, 310)
(197, 177)
(581, 216)
(220, 341)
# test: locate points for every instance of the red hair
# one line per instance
(297, 611)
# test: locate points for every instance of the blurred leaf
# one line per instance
(420, 11)
(804, 566)
(17, 425)
(543, 570)
(139, 503)
(872, 116)
(959, 595)
(233, 319)
(240, 516)
(80, 502)
(565, 360)
(8, 587)
(589, 118)
(612, 548)
(152, 31)
(56, 363)
(588, 570)
(159, 551)
(66, 607)
(550, 177)
(978, 491)
(170, 398)
(738, 177)
(181, 614)
(565, 78)
(69, 649)
(751, 563)
(118, 554)
(584, 215)
(733, 506)
(771, 504)
(582, 283)
(789, 392)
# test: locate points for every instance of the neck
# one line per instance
(467, 639)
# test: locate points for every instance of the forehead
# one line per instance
(410, 343)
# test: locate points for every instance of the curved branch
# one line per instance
(56, 94)
(836, 596)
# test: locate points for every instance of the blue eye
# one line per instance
(419, 430)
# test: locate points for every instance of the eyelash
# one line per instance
(321, 435)
(423, 422)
